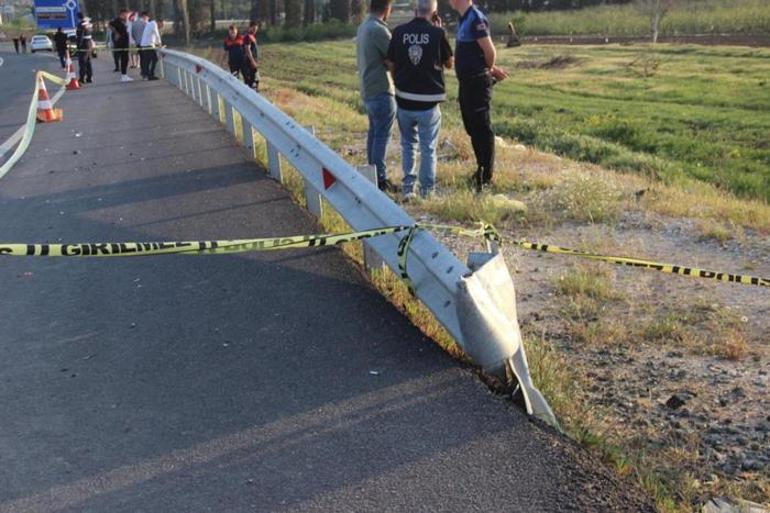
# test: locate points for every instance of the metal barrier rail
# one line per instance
(440, 280)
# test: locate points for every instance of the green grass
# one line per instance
(696, 112)
(690, 17)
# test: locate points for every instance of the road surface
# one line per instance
(260, 382)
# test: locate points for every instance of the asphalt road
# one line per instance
(17, 83)
(260, 382)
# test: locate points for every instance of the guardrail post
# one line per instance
(208, 100)
(200, 91)
(221, 109)
(248, 138)
(273, 162)
(372, 261)
(161, 66)
(187, 83)
(179, 77)
(312, 198)
(230, 119)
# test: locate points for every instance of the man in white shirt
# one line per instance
(150, 41)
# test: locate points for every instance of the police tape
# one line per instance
(680, 270)
(29, 126)
(209, 247)
(132, 249)
(103, 48)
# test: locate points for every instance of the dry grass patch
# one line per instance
(702, 329)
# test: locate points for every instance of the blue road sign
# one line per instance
(52, 14)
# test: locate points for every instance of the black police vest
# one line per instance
(419, 75)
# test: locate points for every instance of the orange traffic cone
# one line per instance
(72, 81)
(45, 111)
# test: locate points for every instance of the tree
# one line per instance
(293, 13)
(655, 10)
(212, 15)
(357, 10)
(309, 12)
(273, 12)
(340, 10)
(184, 15)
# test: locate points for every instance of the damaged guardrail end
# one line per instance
(486, 310)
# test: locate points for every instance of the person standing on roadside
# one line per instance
(149, 42)
(23, 41)
(16, 44)
(110, 43)
(251, 62)
(234, 50)
(122, 40)
(417, 55)
(476, 72)
(136, 33)
(85, 45)
(60, 41)
(372, 41)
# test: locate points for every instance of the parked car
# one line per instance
(41, 42)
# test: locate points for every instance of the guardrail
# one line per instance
(477, 308)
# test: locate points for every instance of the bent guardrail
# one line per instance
(476, 307)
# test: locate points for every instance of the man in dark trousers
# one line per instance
(234, 50)
(23, 41)
(85, 45)
(60, 40)
(250, 68)
(476, 72)
(121, 41)
(149, 42)
(417, 55)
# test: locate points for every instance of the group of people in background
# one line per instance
(130, 38)
(402, 79)
(242, 54)
(20, 41)
(133, 40)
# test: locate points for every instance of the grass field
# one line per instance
(688, 17)
(669, 112)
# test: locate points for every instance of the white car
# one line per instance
(41, 42)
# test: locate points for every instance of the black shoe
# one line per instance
(115, 70)
(88, 81)
(386, 186)
(152, 78)
(478, 182)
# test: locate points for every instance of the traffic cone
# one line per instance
(72, 80)
(45, 111)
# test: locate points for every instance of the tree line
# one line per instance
(194, 18)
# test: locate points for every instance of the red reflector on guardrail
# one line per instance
(329, 178)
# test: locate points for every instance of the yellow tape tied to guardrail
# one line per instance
(484, 230)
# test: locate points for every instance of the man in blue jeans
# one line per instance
(372, 40)
(417, 55)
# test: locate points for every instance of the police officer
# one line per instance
(417, 55)
(85, 47)
(476, 72)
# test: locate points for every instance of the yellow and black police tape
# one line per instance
(484, 230)
(648, 264)
(207, 247)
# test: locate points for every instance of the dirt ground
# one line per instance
(708, 414)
